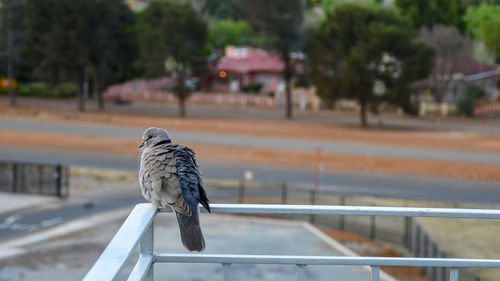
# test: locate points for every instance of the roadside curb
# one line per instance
(16, 246)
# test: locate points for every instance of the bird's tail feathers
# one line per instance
(191, 235)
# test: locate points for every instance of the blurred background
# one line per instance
(338, 102)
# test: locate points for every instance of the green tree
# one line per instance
(67, 38)
(483, 22)
(229, 32)
(12, 40)
(220, 9)
(281, 21)
(466, 104)
(328, 6)
(112, 44)
(430, 12)
(367, 55)
(172, 36)
(56, 31)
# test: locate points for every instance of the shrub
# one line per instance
(302, 81)
(66, 89)
(253, 87)
(467, 103)
(41, 89)
(38, 89)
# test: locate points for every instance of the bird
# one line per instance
(169, 176)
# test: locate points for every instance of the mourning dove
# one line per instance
(169, 175)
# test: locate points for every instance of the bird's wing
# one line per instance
(160, 180)
(190, 178)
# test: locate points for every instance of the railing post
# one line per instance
(57, 178)
(425, 253)
(40, 179)
(342, 217)
(433, 254)
(147, 248)
(14, 178)
(417, 240)
(226, 272)
(301, 272)
(372, 227)
(284, 192)
(22, 178)
(453, 274)
(241, 192)
(375, 273)
(407, 235)
(312, 201)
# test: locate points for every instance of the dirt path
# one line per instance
(284, 158)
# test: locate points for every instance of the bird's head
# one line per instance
(152, 136)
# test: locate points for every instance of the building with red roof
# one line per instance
(243, 65)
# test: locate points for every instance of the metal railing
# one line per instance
(138, 229)
(32, 178)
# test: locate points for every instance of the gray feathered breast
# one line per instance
(169, 176)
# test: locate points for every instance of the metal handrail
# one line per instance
(138, 228)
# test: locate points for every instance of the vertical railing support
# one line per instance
(417, 241)
(375, 273)
(372, 227)
(15, 178)
(147, 248)
(312, 201)
(40, 179)
(342, 217)
(284, 192)
(407, 235)
(241, 192)
(453, 274)
(226, 272)
(301, 272)
(57, 178)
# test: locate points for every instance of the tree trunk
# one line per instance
(181, 92)
(289, 105)
(362, 113)
(182, 107)
(287, 75)
(98, 88)
(100, 99)
(81, 99)
(10, 49)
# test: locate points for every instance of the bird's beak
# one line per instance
(142, 144)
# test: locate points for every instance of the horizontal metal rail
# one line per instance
(326, 260)
(350, 210)
(139, 228)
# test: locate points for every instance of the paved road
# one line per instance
(85, 129)
(14, 225)
(252, 112)
(433, 189)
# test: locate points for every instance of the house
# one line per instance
(452, 75)
(241, 66)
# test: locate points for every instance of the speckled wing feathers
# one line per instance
(159, 180)
(169, 175)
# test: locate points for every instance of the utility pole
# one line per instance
(10, 47)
